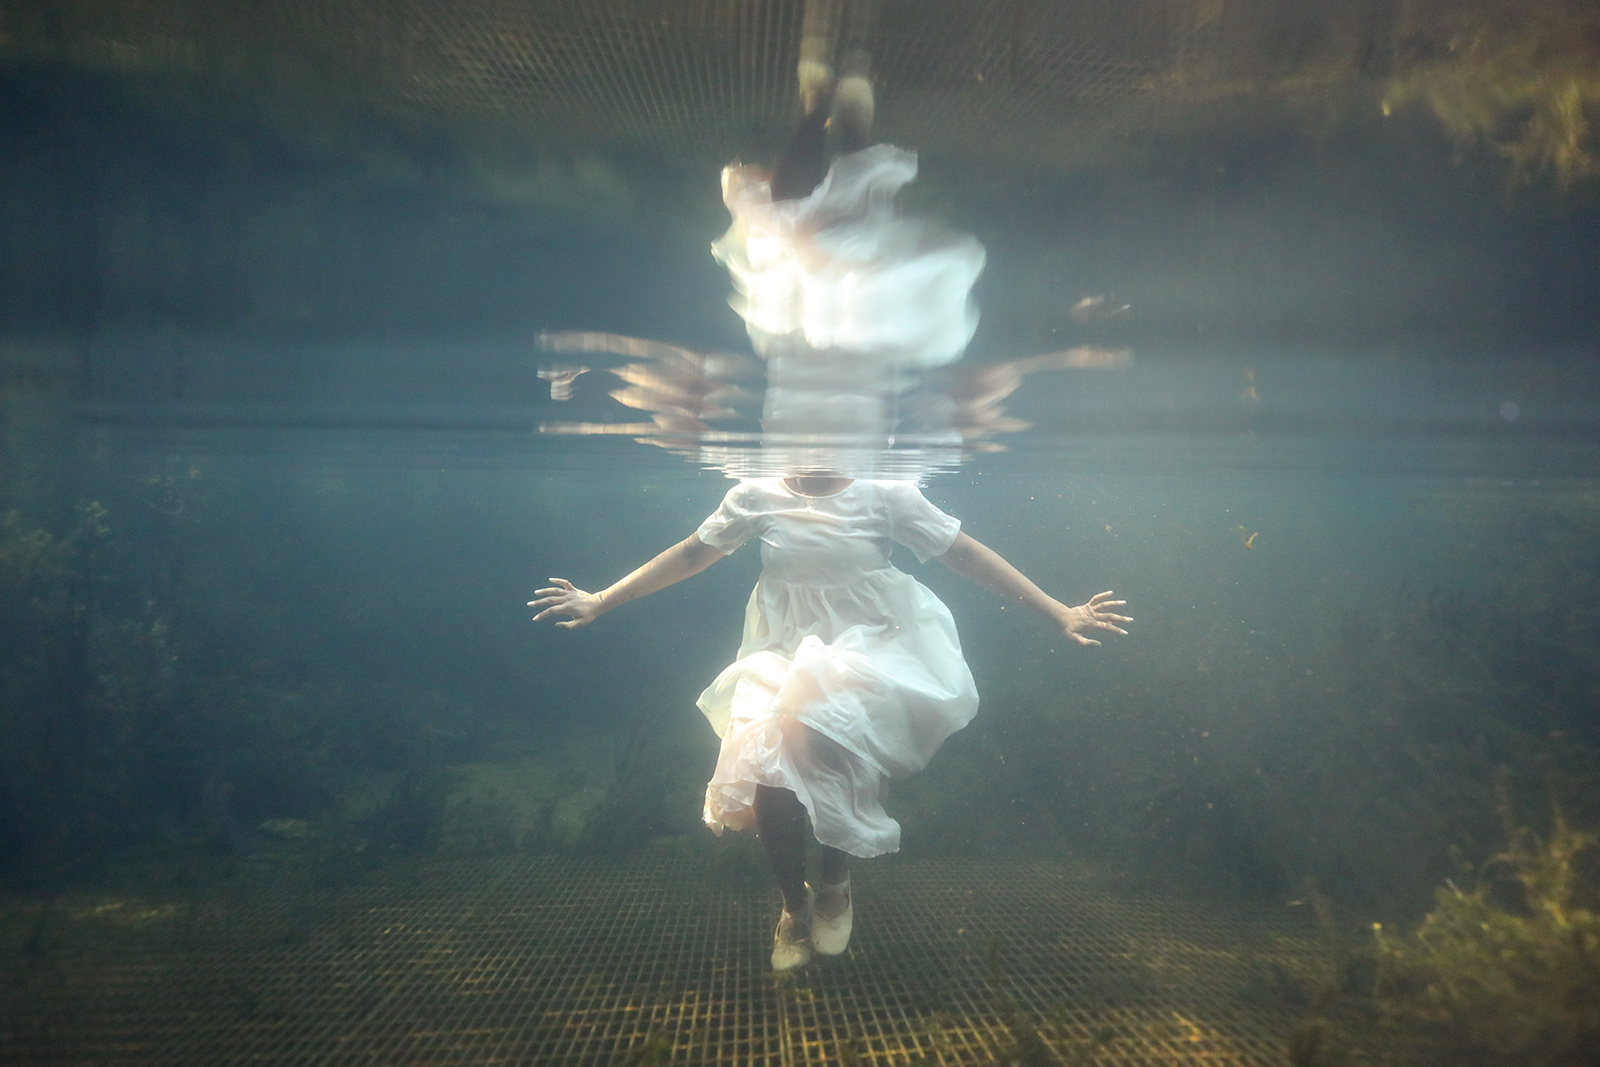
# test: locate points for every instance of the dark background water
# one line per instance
(274, 499)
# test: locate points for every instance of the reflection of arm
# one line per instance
(972, 559)
(683, 560)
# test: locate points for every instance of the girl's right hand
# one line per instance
(1095, 615)
(564, 598)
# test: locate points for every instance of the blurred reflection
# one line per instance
(709, 407)
(857, 312)
(1093, 310)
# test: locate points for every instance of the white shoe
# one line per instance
(831, 919)
(791, 943)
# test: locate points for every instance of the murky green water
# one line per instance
(279, 475)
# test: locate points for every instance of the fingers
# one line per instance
(1107, 620)
(556, 598)
(560, 604)
(563, 598)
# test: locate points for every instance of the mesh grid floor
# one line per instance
(1033, 78)
(561, 961)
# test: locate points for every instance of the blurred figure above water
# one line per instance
(859, 317)
(852, 308)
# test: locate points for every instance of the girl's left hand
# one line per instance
(579, 607)
(1095, 615)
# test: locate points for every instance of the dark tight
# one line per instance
(781, 822)
(803, 163)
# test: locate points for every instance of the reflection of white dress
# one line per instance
(840, 271)
(848, 302)
(850, 671)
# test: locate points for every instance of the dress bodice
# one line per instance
(828, 541)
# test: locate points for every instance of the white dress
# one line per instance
(839, 271)
(850, 671)
(847, 302)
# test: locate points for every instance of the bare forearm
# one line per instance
(683, 560)
(973, 559)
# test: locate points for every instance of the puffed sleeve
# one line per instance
(731, 525)
(917, 524)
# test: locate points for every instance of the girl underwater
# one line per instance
(850, 672)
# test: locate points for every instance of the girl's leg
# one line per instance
(819, 39)
(781, 824)
(851, 122)
(832, 915)
(835, 866)
(804, 163)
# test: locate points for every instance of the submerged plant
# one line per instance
(1490, 980)
(1523, 78)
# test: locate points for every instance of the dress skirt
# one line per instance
(842, 689)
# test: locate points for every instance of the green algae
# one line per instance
(1507, 972)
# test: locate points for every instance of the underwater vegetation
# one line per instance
(1507, 972)
(1504, 972)
(1522, 78)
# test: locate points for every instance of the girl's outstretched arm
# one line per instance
(683, 560)
(971, 558)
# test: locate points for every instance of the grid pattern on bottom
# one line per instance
(1037, 78)
(563, 961)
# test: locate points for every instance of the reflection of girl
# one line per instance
(844, 299)
(850, 671)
